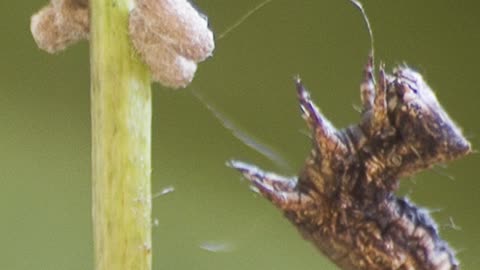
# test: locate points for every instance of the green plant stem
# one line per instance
(121, 133)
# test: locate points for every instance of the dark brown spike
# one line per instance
(367, 88)
(324, 132)
(380, 102)
(280, 190)
(310, 112)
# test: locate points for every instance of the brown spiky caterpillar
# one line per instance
(343, 200)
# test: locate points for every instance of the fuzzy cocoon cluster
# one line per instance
(171, 36)
(60, 24)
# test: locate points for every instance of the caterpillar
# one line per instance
(343, 200)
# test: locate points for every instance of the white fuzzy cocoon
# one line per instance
(172, 37)
(60, 24)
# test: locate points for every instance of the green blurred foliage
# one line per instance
(45, 131)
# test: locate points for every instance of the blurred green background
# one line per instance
(212, 220)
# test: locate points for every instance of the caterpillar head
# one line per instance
(421, 122)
